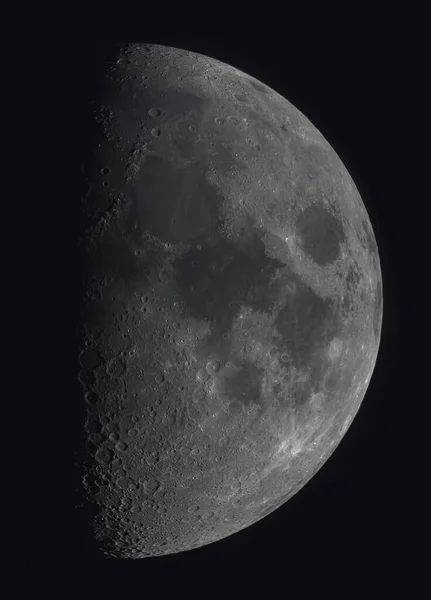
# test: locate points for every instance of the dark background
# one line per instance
(356, 520)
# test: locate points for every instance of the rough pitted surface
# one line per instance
(233, 303)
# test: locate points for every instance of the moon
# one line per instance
(233, 303)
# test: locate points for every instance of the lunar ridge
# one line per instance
(233, 305)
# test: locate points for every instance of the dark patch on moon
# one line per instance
(176, 204)
(320, 234)
(215, 281)
(307, 323)
(242, 383)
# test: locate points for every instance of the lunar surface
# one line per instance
(233, 303)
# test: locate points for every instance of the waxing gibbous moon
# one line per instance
(233, 302)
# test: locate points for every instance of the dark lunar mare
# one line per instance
(216, 280)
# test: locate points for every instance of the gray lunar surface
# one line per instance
(233, 304)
